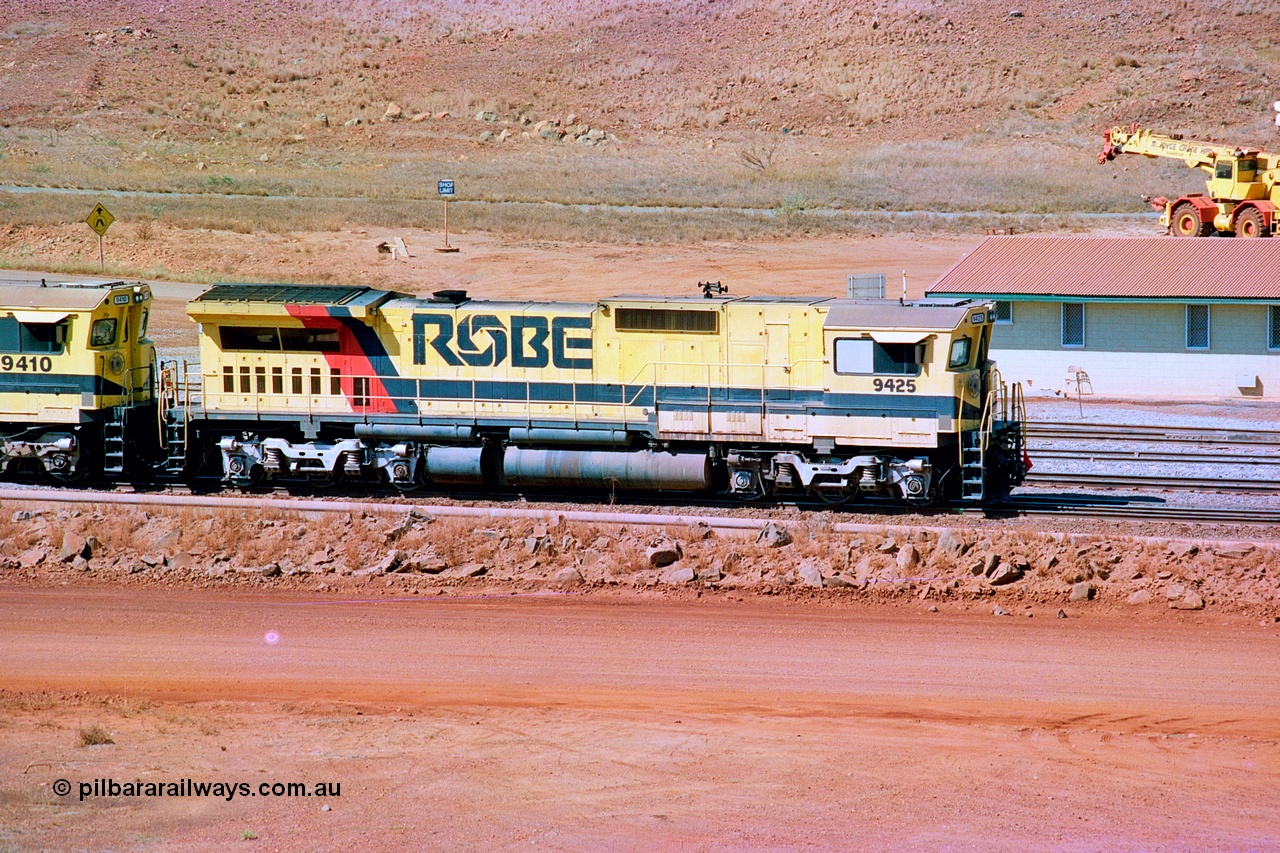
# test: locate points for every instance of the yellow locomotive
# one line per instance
(749, 396)
(77, 377)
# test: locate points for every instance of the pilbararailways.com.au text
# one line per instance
(190, 788)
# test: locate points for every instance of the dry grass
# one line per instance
(905, 108)
(94, 735)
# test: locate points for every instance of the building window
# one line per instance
(1073, 324)
(1004, 312)
(1273, 327)
(1197, 327)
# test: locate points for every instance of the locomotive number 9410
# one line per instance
(30, 364)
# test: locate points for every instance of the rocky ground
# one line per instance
(1005, 571)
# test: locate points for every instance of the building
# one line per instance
(1140, 316)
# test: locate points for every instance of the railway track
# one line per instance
(1142, 482)
(1104, 433)
(1150, 509)
(1089, 454)
(1204, 451)
(1037, 506)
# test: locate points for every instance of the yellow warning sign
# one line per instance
(100, 219)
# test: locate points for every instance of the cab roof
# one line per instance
(276, 300)
(290, 294)
(60, 296)
(942, 314)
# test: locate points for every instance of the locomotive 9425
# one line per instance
(755, 397)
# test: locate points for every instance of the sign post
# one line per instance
(445, 189)
(100, 219)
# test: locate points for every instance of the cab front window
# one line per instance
(959, 353)
(103, 333)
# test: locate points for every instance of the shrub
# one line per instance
(94, 735)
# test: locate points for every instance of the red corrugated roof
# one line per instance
(1156, 267)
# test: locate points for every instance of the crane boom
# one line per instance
(1196, 154)
(1243, 190)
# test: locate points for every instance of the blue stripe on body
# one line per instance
(58, 383)
(721, 399)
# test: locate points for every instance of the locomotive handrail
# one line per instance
(175, 384)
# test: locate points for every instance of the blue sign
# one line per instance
(444, 187)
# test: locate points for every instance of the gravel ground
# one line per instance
(1215, 413)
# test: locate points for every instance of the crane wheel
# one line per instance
(1186, 222)
(1251, 224)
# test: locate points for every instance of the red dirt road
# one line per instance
(588, 722)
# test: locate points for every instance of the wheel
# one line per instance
(1185, 222)
(1250, 224)
(320, 479)
(837, 497)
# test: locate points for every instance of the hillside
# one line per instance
(751, 105)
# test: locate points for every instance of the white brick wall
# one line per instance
(1140, 374)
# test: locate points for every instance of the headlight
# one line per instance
(116, 363)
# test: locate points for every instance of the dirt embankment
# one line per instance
(1007, 571)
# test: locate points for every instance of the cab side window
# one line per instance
(864, 356)
(16, 336)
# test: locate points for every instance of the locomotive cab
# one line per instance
(913, 377)
(77, 378)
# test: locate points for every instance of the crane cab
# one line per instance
(1236, 178)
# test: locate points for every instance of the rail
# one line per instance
(1155, 433)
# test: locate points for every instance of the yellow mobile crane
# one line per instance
(1243, 187)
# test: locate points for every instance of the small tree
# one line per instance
(791, 207)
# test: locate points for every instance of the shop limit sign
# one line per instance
(100, 219)
(444, 188)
